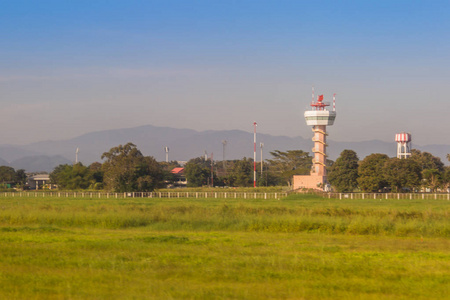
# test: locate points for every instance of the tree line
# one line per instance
(126, 169)
(12, 178)
(378, 173)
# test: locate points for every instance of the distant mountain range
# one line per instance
(183, 144)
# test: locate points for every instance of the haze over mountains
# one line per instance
(184, 144)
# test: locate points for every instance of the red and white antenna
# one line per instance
(312, 101)
(334, 102)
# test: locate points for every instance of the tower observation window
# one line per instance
(320, 118)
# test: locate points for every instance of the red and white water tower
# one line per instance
(403, 145)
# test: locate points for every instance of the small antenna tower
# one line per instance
(224, 144)
(76, 155)
(206, 155)
(166, 149)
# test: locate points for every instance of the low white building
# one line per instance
(37, 181)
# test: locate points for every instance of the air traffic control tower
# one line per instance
(319, 118)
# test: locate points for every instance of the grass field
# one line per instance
(300, 247)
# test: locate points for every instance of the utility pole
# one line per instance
(261, 145)
(224, 143)
(212, 170)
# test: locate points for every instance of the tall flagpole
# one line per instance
(254, 154)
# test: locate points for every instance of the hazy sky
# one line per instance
(72, 67)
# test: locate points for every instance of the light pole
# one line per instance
(261, 145)
(254, 154)
(224, 143)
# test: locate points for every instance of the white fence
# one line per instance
(224, 195)
(198, 195)
(410, 196)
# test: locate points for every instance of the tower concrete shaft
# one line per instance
(319, 150)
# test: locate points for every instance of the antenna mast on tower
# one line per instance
(334, 102)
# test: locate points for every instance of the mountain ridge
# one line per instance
(185, 144)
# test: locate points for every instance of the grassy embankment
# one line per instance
(299, 247)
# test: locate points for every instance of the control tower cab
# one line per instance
(319, 115)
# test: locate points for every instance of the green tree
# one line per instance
(426, 160)
(285, 164)
(446, 178)
(241, 173)
(402, 174)
(21, 177)
(72, 177)
(432, 168)
(56, 174)
(126, 169)
(343, 175)
(97, 175)
(371, 172)
(432, 178)
(7, 175)
(197, 172)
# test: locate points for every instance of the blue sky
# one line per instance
(72, 67)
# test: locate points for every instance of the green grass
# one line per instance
(300, 247)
